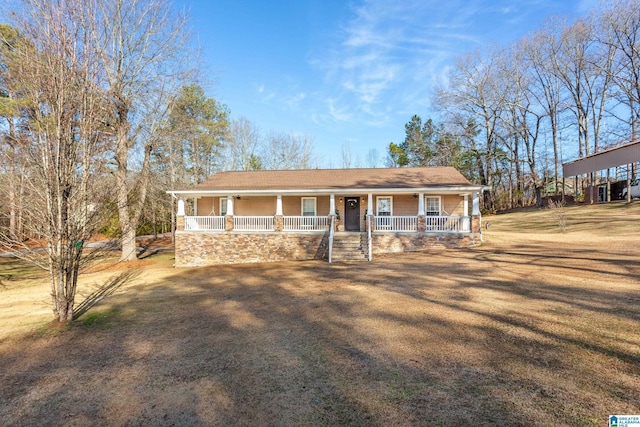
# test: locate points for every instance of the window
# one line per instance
(308, 206)
(432, 206)
(223, 206)
(384, 206)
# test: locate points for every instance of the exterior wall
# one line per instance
(453, 205)
(405, 205)
(258, 206)
(292, 205)
(323, 205)
(206, 207)
(384, 243)
(202, 248)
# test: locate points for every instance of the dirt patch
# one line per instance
(535, 327)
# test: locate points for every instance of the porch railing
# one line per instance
(305, 223)
(204, 223)
(396, 223)
(432, 223)
(319, 223)
(253, 223)
(448, 223)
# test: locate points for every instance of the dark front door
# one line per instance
(352, 213)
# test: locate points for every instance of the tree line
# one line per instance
(511, 115)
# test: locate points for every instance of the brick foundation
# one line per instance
(195, 248)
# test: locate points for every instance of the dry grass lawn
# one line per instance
(537, 327)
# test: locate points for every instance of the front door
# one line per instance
(352, 214)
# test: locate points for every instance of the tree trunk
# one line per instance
(538, 196)
(129, 211)
(128, 245)
(12, 200)
(13, 227)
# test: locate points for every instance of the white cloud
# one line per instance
(390, 54)
(294, 101)
(338, 114)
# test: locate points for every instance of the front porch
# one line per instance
(278, 227)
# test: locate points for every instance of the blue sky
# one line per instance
(348, 73)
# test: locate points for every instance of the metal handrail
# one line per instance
(369, 237)
(333, 221)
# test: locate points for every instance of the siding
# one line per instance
(403, 205)
(206, 207)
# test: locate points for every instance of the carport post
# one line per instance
(629, 183)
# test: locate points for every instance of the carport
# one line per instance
(623, 158)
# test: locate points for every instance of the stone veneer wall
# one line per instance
(384, 243)
(201, 248)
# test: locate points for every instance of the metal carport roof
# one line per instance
(618, 156)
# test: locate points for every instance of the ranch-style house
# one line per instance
(329, 214)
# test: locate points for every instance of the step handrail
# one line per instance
(369, 243)
(331, 228)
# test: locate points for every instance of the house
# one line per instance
(332, 214)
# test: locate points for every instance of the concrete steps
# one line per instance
(350, 247)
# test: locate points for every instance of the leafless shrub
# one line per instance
(559, 213)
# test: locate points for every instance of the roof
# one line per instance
(613, 157)
(333, 180)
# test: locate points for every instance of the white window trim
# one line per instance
(390, 204)
(220, 206)
(426, 205)
(315, 205)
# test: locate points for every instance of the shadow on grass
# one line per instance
(404, 340)
(103, 291)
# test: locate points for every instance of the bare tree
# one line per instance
(55, 75)
(240, 150)
(622, 32)
(287, 151)
(142, 48)
(347, 156)
(584, 68)
(373, 158)
(474, 93)
(544, 86)
(11, 157)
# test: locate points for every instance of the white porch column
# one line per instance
(420, 203)
(229, 205)
(370, 204)
(180, 206)
(279, 204)
(465, 205)
(332, 204)
(476, 203)
(195, 206)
